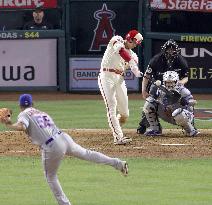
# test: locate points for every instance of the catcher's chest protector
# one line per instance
(181, 91)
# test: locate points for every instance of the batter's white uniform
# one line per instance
(54, 145)
(112, 84)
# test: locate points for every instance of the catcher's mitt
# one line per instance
(5, 115)
(168, 112)
(173, 97)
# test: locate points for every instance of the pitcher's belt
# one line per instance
(51, 138)
(116, 71)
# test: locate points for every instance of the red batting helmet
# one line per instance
(134, 34)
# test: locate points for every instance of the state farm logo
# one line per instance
(188, 5)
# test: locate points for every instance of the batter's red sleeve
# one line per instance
(125, 55)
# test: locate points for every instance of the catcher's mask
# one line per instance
(170, 49)
(170, 79)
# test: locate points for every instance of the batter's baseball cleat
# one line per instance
(153, 133)
(125, 168)
(123, 141)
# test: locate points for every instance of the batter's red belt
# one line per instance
(116, 71)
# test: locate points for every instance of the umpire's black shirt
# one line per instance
(158, 65)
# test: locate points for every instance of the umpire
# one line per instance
(169, 59)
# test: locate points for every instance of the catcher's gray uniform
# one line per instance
(55, 144)
(179, 113)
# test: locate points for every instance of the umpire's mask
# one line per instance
(170, 49)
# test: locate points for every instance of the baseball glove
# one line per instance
(168, 112)
(173, 97)
(5, 115)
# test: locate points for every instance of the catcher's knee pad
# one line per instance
(122, 118)
(182, 117)
(149, 107)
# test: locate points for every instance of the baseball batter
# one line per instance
(177, 113)
(54, 144)
(117, 58)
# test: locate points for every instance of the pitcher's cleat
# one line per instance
(125, 168)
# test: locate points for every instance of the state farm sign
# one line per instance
(182, 5)
(27, 3)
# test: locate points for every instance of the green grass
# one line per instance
(150, 182)
(92, 113)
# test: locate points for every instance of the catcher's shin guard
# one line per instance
(143, 124)
(150, 109)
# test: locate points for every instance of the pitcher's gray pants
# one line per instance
(53, 153)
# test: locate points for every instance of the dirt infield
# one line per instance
(173, 144)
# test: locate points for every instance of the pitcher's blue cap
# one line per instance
(25, 100)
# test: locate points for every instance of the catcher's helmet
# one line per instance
(170, 49)
(134, 34)
(170, 79)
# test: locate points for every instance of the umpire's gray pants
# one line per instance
(53, 153)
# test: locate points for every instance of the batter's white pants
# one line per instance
(114, 93)
(53, 153)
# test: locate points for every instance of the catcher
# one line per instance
(173, 103)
